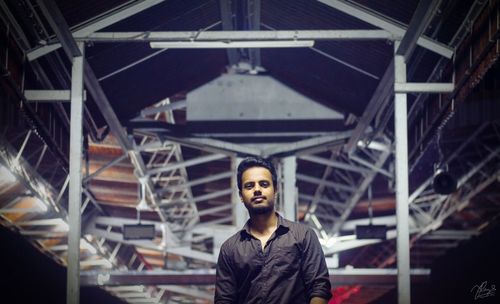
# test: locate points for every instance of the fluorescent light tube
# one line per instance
(231, 44)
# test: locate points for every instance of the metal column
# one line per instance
(240, 214)
(289, 189)
(401, 161)
(75, 182)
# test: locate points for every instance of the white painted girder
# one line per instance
(385, 23)
(102, 22)
(241, 36)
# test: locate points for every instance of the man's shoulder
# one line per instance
(231, 242)
(300, 228)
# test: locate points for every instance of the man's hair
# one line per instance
(255, 161)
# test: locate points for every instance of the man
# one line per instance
(271, 260)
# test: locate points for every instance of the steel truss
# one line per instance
(429, 211)
(160, 166)
(40, 211)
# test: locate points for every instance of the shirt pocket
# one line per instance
(287, 260)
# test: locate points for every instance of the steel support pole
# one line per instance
(75, 182)
(401, 161)
(289, 189)
(240, 214)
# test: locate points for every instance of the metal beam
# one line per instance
(455, 154)
(389, 221)
(215, 209)
(310, 145)
(105, 167)
(290, 199)
(361, 188)
(196, 182)
(334, 164)
(385, 23)
(253, 18)
(188, 291)
(418, 23)
(336, 59)
(118, 237)
(423, 87)
(227, 18)
(339, 276)
(212, 145)
(319, 181)
(450, 235)
(452, 205)
(204, 197)
(337, 205)
(239, 212)
(401, 163)
(164, 108)
(379, 98)
(50, 95)
(237, 36)
(157, 277)
(187, 163)
(75, 181)
(102, 22)
(371, 166)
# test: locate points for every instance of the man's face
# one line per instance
(257, 191)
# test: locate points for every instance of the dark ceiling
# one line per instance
(459, 129)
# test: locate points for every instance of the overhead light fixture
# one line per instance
(138, 232)
(231, 44)
(374, 145)
(443, 183)
(370, 231)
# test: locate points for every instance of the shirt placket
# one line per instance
(262, 262)
(266, 267)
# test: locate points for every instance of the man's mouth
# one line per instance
(258, 198)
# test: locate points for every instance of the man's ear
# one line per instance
(241, 197)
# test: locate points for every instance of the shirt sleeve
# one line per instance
(225, 281)
(313, 268)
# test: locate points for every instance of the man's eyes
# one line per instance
(262, 184)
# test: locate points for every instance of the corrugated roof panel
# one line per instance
(303, 14)
(78, 11)
(398, 10)
(327, 81)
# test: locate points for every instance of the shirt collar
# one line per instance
(281, 222)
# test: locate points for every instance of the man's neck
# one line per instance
(263, 223)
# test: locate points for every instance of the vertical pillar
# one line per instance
(240, 214)
(75, 181)
(401, 160)
(289, 189)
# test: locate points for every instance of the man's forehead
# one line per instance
(256, 173)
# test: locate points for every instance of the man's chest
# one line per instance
(259, 255)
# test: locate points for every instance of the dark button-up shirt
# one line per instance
(290, 269)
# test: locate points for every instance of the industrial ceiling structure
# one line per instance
(175, 93)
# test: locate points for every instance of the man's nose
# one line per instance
(256, 189)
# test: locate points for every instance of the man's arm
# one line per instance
(314, 270)
(225, 281)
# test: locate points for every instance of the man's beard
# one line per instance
(256, 210)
